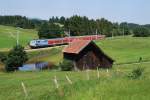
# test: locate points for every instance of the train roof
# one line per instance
(66, 37)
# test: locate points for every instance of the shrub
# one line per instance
(3, 57)
(141, 32)
(66, 65)
(136, 73)
(16, 57)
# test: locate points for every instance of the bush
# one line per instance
(136, 73)
(141, 32)
(3, 57)
(16, 57)
(66, 65)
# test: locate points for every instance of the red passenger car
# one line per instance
(61, 41)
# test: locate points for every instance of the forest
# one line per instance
(76, 26)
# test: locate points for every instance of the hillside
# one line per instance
(126, 49)
(8, 36)
(112, 85)
(122, 49)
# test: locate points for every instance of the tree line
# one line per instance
(17, 21)
(82, 25)
(76, 26)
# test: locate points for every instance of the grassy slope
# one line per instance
(53, 55)
(8, 36)
(112, 86)
(115, 86)
(127, 49)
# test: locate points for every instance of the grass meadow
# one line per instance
(8, 36)
(126, 49)
(111, 85)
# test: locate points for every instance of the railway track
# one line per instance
(42, 49)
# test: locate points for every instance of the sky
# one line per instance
(132, 11)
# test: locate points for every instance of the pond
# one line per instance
(34, 66)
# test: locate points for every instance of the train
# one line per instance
(39, 43)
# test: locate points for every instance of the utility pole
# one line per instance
(96, 34)
(69, 36)
(17, 36)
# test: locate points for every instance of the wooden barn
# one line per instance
(85, 54)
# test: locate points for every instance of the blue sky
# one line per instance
(136, 11)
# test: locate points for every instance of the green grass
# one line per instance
(127, 49)
(53, 55)
(8, 36)
(112, 86)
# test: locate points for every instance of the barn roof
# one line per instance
(76, 46)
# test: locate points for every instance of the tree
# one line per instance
(43, 30)
(141, 32)
(78, 25)
(16, 58)
(17, 21)
(125, 28)
(51, 30)
(104, 26)
(116, 31)
(62, 20)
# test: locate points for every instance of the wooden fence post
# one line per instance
(56, 82)
(107, 70)
(24, 89)
(69, 81)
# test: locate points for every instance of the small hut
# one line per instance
(85, 54)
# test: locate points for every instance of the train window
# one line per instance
(44, 40)
(38, 41)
